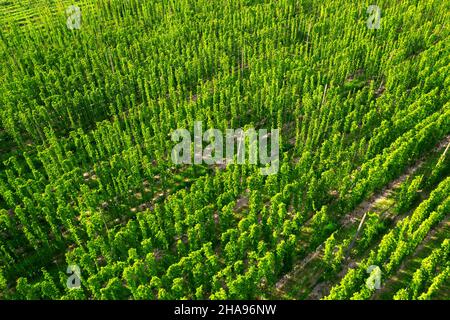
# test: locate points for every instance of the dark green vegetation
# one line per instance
(86, 176)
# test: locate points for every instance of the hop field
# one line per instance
(349, 104)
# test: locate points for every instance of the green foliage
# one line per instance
(86, 119)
